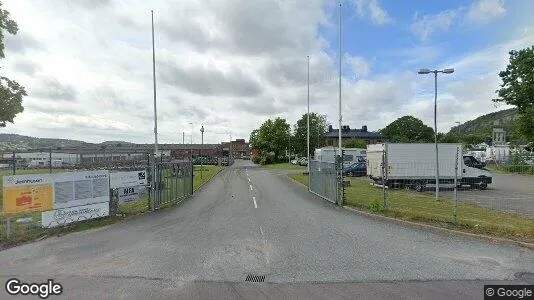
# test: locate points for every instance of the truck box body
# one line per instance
(410, 163)
(352, 155)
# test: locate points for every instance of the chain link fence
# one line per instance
(169, 182)
(471, 195)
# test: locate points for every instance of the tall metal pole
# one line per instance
(183, 137)
(340, 200)
(308, 118)
(436, 131)
(340, 60)
(154, 79)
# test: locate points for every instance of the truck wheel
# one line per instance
(483, 186)
(419, 186)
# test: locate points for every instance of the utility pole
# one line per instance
(154, 79)
(340, 200)
(308, 118)
(183, 137)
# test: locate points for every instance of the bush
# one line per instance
(256, 159)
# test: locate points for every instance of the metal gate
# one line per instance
(172, 182)
(324, 180)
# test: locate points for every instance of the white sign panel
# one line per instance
(124, 179)
(80, 188)
(131, 194)
(69, 215)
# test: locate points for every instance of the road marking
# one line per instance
(255, 204)
(251, 187)
(248, 179)
(261, 230)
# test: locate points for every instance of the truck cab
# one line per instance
(474, 173)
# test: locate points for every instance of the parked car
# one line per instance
(294, 162)
(358, 169)
(303, 161)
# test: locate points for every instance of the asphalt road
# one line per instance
(511, 193)
(251, 221)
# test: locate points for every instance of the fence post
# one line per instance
(50, 160)
(384, 171)
(148, 174)
(153, 181)
(8, 228)
(14, 164)
(456, 186)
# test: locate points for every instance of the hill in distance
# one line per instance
(484, 124)
(22, 142)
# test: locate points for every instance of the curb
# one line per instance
(435, 229)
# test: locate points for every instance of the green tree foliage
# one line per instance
(408, 129)
(272, 139)
(11, 92)
(517, 88)
(317, 133)
(356, 143)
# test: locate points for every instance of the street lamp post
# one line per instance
(201, 145)
(308, 118)
(435, 72)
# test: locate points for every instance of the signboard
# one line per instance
(69, 215)
(23, 193)
(124, 179)
(131, 194)
(80, 188)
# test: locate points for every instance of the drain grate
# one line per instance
(255, 278)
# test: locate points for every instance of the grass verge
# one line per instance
(418, 207)
(284, 166)
(208, 172)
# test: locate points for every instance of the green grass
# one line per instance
(284, 166)
(419, 207)
(520, 170)
(207, 174)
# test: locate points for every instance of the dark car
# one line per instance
(355, 170)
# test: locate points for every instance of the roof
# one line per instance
(353, 133)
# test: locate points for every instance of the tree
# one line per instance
(317, 133)
(517, 88)
(357, 143)
(272, 139)
(11, 92)
(408, 129)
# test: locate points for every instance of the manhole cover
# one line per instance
(255, 278)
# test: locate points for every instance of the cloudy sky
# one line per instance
(231, 64)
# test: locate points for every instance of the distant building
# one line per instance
(184, 151)
(238, 148)
(332, 135)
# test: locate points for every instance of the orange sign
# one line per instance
(19, 199)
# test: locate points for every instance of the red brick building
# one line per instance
(239, 148)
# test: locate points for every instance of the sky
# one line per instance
(229, 65)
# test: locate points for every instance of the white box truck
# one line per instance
(414, 166)
(328, 154)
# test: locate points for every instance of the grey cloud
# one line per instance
(197, 112)
(89, 3)
(21, 42)
(259, 107)
(27, 67)
(51, 88)
(208, 81)
(116, 99)
(250, 27)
